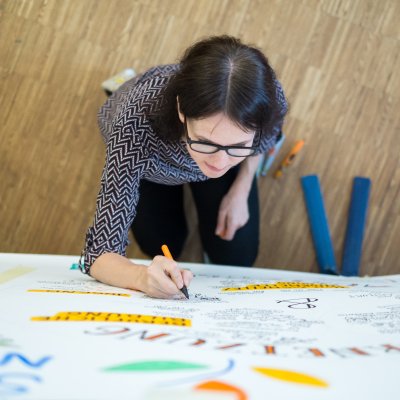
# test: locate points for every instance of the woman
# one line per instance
(205, 121)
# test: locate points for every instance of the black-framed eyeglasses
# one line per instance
(211, 148)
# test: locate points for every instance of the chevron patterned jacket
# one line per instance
(135, 152)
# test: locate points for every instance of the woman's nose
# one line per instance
(219, 159)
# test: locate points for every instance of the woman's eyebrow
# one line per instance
(203, 139)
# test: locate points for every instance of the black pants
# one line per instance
(161, 219)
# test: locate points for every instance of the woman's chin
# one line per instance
(214, 175)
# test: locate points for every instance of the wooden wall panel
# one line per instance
(338, 60)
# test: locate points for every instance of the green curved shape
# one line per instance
(154, 366)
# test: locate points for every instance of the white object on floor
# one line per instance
(113, 83)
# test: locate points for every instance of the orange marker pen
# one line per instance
(289, 158)
(168, 254)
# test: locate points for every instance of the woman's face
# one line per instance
(217, 129)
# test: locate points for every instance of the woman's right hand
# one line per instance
(164, 279)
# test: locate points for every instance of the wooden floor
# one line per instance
(338, 60)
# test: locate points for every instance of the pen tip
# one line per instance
(185, 291)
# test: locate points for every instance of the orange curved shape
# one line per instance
(219, 386)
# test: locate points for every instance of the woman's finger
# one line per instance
(172, 270)
(165, 275)
(221, 222)
(187, 276)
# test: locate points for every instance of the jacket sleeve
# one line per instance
(118, 195)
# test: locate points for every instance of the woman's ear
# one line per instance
(181, 115)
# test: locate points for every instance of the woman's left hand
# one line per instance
(233, 214)
(234, 210)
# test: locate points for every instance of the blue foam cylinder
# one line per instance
(356, 226)
(319, 224)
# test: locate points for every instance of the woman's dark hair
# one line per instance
(219, 74)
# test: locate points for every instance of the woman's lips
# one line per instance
(214, 168)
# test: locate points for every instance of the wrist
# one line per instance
(241, 187)
(116, 270)
(139, 282)
(244, 179)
